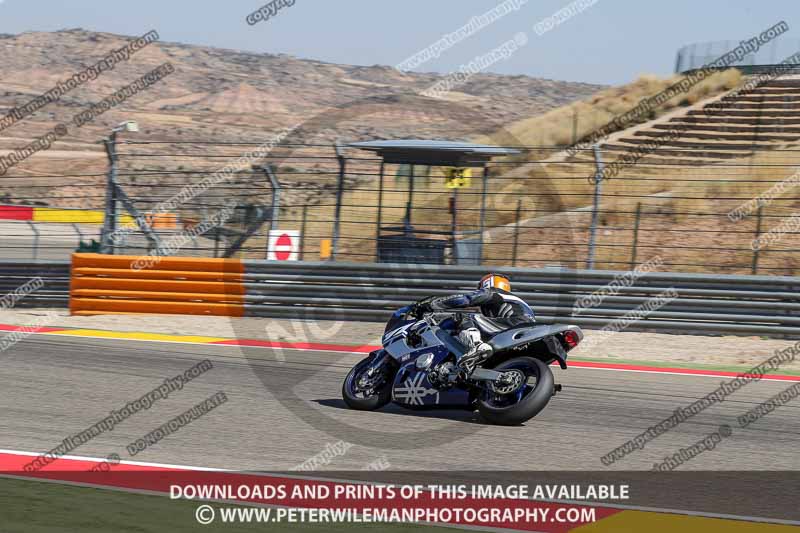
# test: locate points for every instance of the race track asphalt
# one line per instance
(284, 407)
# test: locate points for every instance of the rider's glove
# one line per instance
(419, 309)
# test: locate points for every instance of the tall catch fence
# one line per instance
(696, 55)
(688, 209)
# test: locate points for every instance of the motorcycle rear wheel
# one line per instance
(514, 409)
(356, 399)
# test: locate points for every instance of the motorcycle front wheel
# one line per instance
(366, 393)
(523, 400)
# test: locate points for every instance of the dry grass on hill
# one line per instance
(559, 127)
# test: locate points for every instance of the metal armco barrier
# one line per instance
(54, 274)
(706, 304)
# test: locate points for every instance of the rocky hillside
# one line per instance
(227, 95)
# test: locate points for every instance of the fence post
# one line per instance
(598, 181)
(410, 203)
(754, 266)
(380, 210)
(482, 222)
(635, 243)
(80, 234)
(110, 214)
(303, 230)
(454, 223)
(516, 235)
(756, 253)
(276, 197)
(574, 126)
(276, 202)
(339, 194)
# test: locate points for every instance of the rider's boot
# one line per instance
(477, 351)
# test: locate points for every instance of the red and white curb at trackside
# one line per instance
(344, 348)
(150, 478)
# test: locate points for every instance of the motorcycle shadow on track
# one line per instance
(456, 415)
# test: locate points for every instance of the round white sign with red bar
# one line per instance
(284, 245)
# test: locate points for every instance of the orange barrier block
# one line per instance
(178, 275)
(89, 306)
(173, 285)
(159, 296)
(152, 285)
(201, 264)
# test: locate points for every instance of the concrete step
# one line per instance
(677, 151)
(716, 135)
(770, 91)
(693, 153)
(763, 99)
(686, 159)
(649, 160)
(781, 83)
(742, 121)
(676, 162)
(755, 113)
(723, 127)
(726, 146)
(723, 105)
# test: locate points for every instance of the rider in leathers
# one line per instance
(495, 301)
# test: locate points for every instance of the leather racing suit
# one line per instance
(501, 307)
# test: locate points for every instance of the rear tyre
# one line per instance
(515, 408)
(366, 399)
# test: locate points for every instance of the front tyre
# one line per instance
(366, 392)
(515, 406)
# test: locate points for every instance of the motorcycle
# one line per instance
(417, 367)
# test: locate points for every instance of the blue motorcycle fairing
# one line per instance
(412, 388)
(397, 324)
